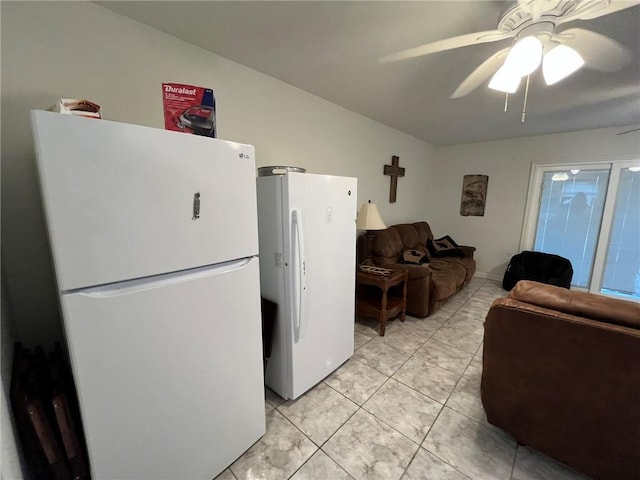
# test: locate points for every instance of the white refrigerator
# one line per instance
(307, 231)
(154, 241)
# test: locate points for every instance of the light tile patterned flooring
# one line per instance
(405, 406)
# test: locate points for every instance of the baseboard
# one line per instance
(488, 276)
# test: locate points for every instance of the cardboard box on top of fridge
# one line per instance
(189, 109)
(77, 106)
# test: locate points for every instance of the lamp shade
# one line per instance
(369, 218)
(560, 62)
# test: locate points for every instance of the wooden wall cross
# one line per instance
(394, 171)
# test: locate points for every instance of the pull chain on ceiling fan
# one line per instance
(533, 24)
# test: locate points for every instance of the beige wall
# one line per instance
(76, 49)
(508, 163)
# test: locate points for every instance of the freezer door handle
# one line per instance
(159, 281)
(196, 206)
(300, 270)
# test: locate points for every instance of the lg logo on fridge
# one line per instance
(245, 155)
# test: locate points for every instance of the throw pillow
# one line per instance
(414, 257)
(444, 247)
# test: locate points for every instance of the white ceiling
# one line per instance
(331, 49)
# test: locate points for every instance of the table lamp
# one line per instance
(369, 219)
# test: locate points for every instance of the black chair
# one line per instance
(269, 310)
(539, 267)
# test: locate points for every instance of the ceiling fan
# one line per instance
(535, 27)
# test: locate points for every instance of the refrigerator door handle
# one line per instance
(296, 218)
(159, 281)
(196, 206)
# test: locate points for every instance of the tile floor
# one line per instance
(405, 406)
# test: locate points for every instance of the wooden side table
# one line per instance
(374, 299)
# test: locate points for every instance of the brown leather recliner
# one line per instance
(430, 284)
(561, 374)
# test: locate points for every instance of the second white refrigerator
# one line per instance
(307, 239)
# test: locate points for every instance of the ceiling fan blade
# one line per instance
(447, 44)
(480, 74)
(628, 131)
(598, 51)
(597, 8)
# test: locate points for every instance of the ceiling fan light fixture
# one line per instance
(505, 80)
(525, 56)
(560, 62)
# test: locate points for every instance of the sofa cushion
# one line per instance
(445, 284)
(468, 263)
(387, 247)
(456, 269)
(583, 304)
(424, 232)
(444, 247)
(408, 235)
(417, 271)
(415, 257)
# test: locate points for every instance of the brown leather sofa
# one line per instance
(430, 284)
(561, 374)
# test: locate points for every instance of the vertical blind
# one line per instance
(622, 265)
(571, 222)
(570, 217)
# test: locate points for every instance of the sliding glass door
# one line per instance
(570, 217)
(590, 214)
(622, 260)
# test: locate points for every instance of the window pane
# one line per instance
(622, 266)
(569, 218)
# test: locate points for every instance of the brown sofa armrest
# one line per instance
(467, 251)
(415, 271)
(418, 287)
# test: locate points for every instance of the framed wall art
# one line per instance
(474, 195)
